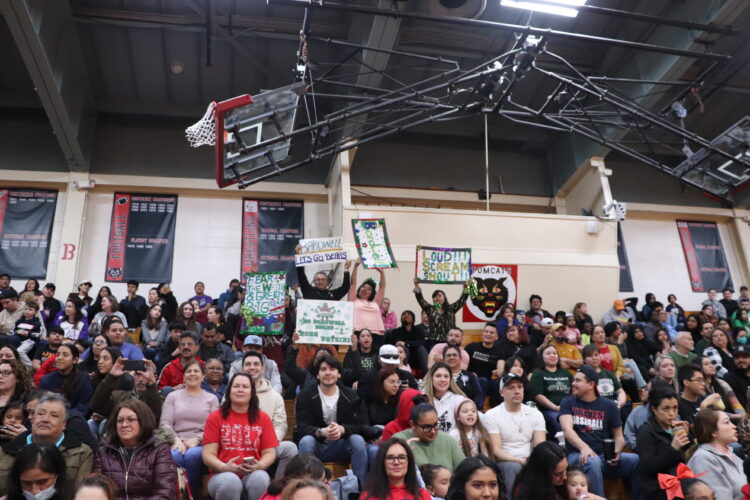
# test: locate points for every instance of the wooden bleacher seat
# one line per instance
(338, 469)
(291, 417)
(615, 489)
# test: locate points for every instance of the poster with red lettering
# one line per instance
(141, 238)
(270, 231)
(26, 217)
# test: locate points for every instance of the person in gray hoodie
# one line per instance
(714, 458)
(254, 343)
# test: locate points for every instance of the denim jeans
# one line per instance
(596, 469)
(550, 418)
(352, 448)
(229, 486)
(192, 461)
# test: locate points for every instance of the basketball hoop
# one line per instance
(203, 132)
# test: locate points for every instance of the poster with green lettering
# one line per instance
(372, 243)
(325, 322)
(443, 265)
(263, 307)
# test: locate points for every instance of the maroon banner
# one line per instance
(118, 231)
(249, 237)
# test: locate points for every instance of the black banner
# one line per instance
(26, 217)
(270, 231)
(707, 264)
(141, 238)
(626, 281)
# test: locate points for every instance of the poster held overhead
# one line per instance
(320, 251)
(442, 265)
(325, 322)
(263, 307)
(372, 243)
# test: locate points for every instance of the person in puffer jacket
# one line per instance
(134, 457)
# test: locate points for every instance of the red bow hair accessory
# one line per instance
(671, 484)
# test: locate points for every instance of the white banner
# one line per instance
(320, 251)
(325, 322)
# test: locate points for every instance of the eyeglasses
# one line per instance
(428, 427)
(129, 420)
(6, 373)
(396, 458)
(99, 342)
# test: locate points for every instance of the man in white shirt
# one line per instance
(514, 429)
(271, 403)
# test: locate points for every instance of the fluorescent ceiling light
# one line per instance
(557, 7)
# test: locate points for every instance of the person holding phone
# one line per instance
(109, 393)
(239, 444)
(588, 423)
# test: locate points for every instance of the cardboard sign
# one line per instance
(325, 322)
(443, 265)
(263, 307)
(320, 251)
(372, 243)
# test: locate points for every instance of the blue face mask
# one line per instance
(42, 495)
(742, 340)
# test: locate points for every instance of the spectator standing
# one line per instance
(442, 314)
(133, 306)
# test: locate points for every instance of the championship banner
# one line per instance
(270, 231)
(706, 261)
(320, 251)
(325, 322)
(497, 284)
(26, 217)
(442, 265)
(626, 280)
(141, 238)
(263, 307)
(372, 242)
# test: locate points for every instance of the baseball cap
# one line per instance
(743, 349)
(388, 354)
(509, 377)
(85, 282)
(8, 294)
(590, 374)
(253, 340)
(547, 322)
(557, 326)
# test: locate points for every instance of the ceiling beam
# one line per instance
(46, 37)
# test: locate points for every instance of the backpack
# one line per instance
(346, 487)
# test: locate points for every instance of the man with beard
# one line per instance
(455, 338)
(410, 335)
(171, 376)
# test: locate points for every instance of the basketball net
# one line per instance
(203, 132)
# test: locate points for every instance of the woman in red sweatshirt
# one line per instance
(393, 475)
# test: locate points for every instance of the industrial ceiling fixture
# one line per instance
(567, 8)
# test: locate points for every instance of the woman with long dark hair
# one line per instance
(581, 315)
(109, 308)
(154, 331)
(360, 358)
(393, 474)
(693, 325)
(96, 307)
(507, 318)
(477, 478)
(516, 342)
(441, 312)
(719, 352)
(69, 381)
(186, 315)
(550, 383)
(71, 319)
(543, 476)
(641, 350)
(466, 381)
(367, 299)
(716, 385)
(241, 468)
(38, 472)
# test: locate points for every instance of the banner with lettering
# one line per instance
(270, 231)
(263, 307)
(320, 251)
(372, 243)
(706, 261)
(26, 217)
(325, 322)
(497, 284)
(141, 238)
(442, 265)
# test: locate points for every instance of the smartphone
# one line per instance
(250, 460)
(135, 365)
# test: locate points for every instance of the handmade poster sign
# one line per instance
(443, 265)
(320, 251)
(497, 285)
(325, 322)
(372, 243)
(263, 307)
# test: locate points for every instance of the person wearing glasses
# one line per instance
(388, 358)
(394, 474)
(693, 396)
(428, 444)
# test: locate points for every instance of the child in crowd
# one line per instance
(28, 325)
(403, 357)
(436, 480)
(572, 333)
(469, 433)
(578, 485)
(15, 414)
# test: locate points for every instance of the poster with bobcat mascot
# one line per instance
(497, 284)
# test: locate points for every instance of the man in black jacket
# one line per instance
(739, 378)
(331, 421)
(320, 288)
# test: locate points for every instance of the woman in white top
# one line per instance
(109, 308)
(443, 394)
(72, 320)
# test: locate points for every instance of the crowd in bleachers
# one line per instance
(149, 397)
